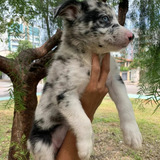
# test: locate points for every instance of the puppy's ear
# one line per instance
(69, 10)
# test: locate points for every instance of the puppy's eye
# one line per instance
(105, 19)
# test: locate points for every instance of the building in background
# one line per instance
(128, 74)
(9, 42)
(30, 33)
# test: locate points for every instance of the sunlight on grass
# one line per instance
(107, 117)
(107, 131)
(6, 116)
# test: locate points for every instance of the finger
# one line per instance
(95, 70)
(104, 70)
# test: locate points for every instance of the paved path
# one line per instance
(6, 85)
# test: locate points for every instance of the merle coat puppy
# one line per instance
(89, 27)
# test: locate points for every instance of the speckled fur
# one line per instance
(89, 27)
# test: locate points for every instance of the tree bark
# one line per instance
(49, 45)
(22, 122)
(122, 11)
(7, 65)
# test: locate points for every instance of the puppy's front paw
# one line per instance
(85, 149)
(132, 136)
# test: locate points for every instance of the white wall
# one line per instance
(135, 75)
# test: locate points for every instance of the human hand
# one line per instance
(96, 89)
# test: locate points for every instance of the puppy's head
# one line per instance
(94, 24)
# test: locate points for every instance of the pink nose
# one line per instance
(130, 36)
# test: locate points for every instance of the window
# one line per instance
(37, 39)
(124, 76)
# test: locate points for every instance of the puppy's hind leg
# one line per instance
(44, 144)
(40, 143)
(41, 151)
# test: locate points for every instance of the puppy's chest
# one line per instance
(83, 78)
(71, 73)
(79, 74)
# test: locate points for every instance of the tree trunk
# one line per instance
(25, 100)
(25, 72)
(122, 11)
(22, 121)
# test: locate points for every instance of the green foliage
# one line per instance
(149, 62)
(12, 55)
(20, 152)
(18, 96)
(148, 47)
(122, 68)
(28, 11)
(12, 11)
(39, 12)
(23, 44)
(0, 74)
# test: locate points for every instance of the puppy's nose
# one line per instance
(131, 37)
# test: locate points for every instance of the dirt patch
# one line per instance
(108, 145)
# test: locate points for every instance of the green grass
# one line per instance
(6, 116)
(108, 136)
(149, 124)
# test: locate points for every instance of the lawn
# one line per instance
(108, 139)
(6, 116)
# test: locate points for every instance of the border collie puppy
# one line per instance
(89, 27)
